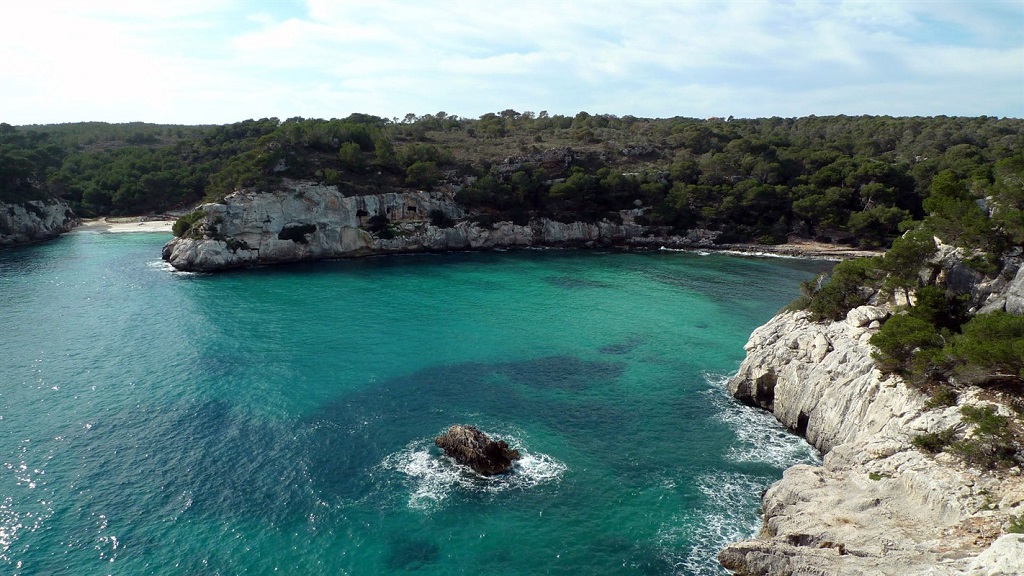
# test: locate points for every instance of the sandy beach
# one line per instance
(802, 249)
(127, 224)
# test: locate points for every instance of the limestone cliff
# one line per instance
(876, 505)
(34, 221)
(307, 221)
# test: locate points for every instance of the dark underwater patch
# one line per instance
(574, 283)
(621, 348)
(563, 372)
(411, 554)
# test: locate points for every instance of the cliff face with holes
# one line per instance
(34, 221)
(307, 221)
(876, 505)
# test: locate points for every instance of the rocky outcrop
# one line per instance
(951, 267)
(34, 221)
(471, 447)
(876, 505)
(307, 221)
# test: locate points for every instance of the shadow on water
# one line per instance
(408, 554)
(627, 345)
(574, 283)
(214, 462)
(356, 431)
(211, 457)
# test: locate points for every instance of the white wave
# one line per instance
(756, 254)
(729, 512)
(433, 477)
(759, 436)
(723, 518)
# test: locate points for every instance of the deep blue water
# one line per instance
(156, 422)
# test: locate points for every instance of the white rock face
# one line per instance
(876, 505)
(34, 221)
(310, 221)
(1014, 302)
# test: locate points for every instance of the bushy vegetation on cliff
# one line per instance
(850, 179)
(941, 338)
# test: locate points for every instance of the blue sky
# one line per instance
(220, 61)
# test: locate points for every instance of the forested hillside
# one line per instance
(846, 179)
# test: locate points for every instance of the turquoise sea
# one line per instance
(281, 420)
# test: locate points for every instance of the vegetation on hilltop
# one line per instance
(871, 181)
(840, 178)
(940, 339)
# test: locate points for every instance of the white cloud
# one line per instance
(222, 61)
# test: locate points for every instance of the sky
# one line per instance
(222, 61)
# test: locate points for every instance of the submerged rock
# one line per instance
(471, 447)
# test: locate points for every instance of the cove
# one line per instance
(160, 422)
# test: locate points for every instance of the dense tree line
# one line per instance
(852, 179)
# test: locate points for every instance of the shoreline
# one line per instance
(127, 224)
(808, 250)
(799, 249)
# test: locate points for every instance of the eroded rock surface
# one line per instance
(876, 505)
(308, 221)
(471, 447)
(34, 221)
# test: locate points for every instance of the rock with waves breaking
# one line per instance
(34, 220)
(876, 505)
(471, 447)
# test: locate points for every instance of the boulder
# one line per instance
(471, 447)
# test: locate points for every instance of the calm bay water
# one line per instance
(155, 422)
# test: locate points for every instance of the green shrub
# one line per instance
(422, 175)
(986, 265)
(851, 284)
(942, 396)
(184, 224)
(986, 419)
(906, 257)
(934, 442)
(899, 338)
(1016, 525)
(984, 452)
(992, 444)
(940, 309)
(990, 346)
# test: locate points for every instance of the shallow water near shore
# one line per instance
(156, 422)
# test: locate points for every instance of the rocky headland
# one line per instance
(34, 221)
(876, 505)
(309, 221)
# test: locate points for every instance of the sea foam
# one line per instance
(432, 477)
(760, 438)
